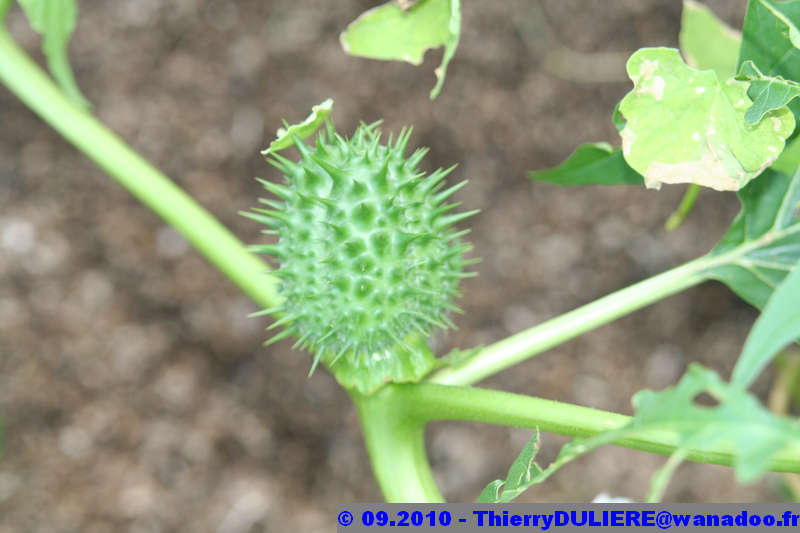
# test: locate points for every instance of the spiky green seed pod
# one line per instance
(368, 254)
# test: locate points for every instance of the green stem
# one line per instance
(427, 402)
(396, 447)
(31, 85)
(393, 420)
(517, 348)
(689, 198)
(660, 480)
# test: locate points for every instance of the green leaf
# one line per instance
(739, 421)
(707, 42)
(766, 42)
(302, 130)
(765, 39)
(395, 32)
(684, 126)
(55, 20)
(591, 164)
(777, 326)
(794, 34)
(763, 243)
(789, 160)
(524, 473)
(767, 93)
(491, 492)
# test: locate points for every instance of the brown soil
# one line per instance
(134, 390)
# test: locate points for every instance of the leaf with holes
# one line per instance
(739, 421)
(684, 126)
(403, 31)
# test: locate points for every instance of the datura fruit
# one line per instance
(369, 260)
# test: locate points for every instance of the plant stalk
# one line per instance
(427, 402)
(687, 203)
(396, 446)
(516, 348)
(31, 85)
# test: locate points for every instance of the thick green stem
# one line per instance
(393, 420)
(396, 446)
(31, 85)
(512, 350)
(427, 402)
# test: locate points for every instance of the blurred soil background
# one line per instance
(134, 390)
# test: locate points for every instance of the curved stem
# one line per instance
(426, 402)
(512, 350)
(396, 446)
(31, 85)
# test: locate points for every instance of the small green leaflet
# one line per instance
(403, 31)
(302, 130)
(777, 326)
(707, 42)
(763, 243)
(591, 164)
(523, 473)
(767, 93)
(684, 126)
(55, 20)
